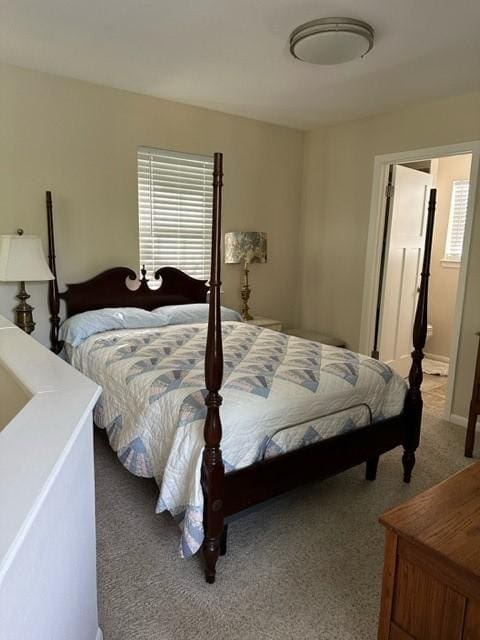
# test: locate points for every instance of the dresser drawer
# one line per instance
(423, 607)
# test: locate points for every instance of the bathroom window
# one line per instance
(456, 221)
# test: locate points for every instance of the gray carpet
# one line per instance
(307, 565)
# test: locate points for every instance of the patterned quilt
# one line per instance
(153, 410)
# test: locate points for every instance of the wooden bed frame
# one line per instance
(227, 494)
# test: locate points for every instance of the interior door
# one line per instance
(403, 262)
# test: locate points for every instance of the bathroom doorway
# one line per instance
(452, 180)
(408, 185)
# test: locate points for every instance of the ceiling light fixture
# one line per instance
(331, 40)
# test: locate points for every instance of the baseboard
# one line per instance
(434, 356)
(461, 421)
(99, 635)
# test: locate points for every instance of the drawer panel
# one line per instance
(425, 608)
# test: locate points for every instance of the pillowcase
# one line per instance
(192, 313)
(78, 328)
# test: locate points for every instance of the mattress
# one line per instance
(279, 393)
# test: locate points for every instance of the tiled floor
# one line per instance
(434, 390)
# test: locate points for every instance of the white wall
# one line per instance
(47, 502)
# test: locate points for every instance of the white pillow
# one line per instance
(79, 327)
(192, 313)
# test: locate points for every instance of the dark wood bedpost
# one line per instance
(212, 464)
(53, 296)
(414, 402)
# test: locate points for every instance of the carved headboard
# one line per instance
(109, 288)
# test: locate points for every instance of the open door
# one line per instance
(405, 240)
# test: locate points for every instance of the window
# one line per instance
(175, 211)
(456, 222)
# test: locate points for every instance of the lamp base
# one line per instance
(244, 312)
(23, 311)
(245, 294)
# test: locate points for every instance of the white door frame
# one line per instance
(375, 238)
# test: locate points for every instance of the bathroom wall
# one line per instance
(444, 275)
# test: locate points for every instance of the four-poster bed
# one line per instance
(225, 494)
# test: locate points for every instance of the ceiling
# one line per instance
(232, 55)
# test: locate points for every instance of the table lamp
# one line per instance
(245, 247)
(22, 260)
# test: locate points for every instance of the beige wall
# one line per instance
(80, 140)
(336, 205)
(444, 276)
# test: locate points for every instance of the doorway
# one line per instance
(402, 184)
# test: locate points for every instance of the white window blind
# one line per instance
(457, 219)
(175, 211)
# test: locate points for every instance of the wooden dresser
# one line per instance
(431, 579)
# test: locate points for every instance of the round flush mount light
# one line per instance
(331, 40)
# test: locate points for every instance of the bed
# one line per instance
(293, 410)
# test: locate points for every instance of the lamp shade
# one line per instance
(245, 246)
(22, 259)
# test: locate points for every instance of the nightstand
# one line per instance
(266, 323)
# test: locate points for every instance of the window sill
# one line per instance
(451, 264)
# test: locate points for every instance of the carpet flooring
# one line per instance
(307, 565)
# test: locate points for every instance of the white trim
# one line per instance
(461, 421)
(99, 635)
(434, 356)
(457, 213)
(451, 264)
(375, 238)
(56, 419)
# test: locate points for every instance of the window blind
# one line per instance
(175, 211)
(457, 219)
